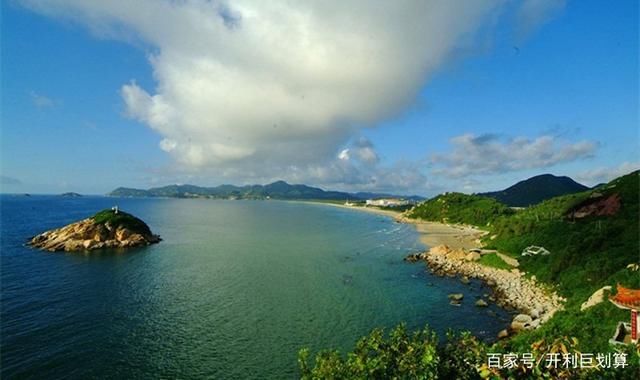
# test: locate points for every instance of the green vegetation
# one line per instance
(460, 208)
(493, 260)
(462, 356)
(400, 355)
(402, 208)
(122, 219)
(587, 252)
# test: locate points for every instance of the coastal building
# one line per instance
(387, 202)
(628, 299)
(534, 250)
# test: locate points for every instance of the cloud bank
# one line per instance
(491, 154)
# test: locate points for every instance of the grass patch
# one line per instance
(493, 260)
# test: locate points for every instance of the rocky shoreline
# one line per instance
(512, 289)
(455, 252)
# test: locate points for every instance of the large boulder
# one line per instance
(439, 250)
(472, 256)
(597, 297)
(521, 322)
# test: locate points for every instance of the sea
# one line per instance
(234, 290)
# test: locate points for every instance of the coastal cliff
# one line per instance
(106, 229)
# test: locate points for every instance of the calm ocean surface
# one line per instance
(234, 291)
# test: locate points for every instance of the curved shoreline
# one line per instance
(450, 254)
(431, 234)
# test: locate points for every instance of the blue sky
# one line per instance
(95, 97)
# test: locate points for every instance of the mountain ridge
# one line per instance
(275, 190)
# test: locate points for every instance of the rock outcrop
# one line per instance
(106, 229)
(597, 297)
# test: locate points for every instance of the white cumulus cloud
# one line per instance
(244, 84)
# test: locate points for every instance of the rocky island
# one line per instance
(106, 229)
(71, 195)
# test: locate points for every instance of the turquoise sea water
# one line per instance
(235, 289)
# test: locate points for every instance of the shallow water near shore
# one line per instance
(234, 290)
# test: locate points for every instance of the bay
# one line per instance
(234, 290)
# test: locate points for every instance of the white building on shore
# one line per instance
(387, 202)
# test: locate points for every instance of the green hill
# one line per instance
(592, 236)
(460, 208)
(535, 190)
(594, 233)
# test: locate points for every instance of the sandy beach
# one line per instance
(431, 233)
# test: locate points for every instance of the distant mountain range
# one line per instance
(535, 190)
(275, 190)
(524, 193)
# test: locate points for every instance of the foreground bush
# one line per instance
(400, 355)
(397, 356)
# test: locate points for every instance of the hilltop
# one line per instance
(460, 208)
(535, 190)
